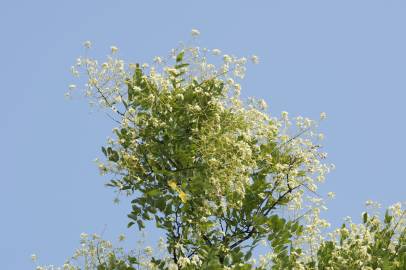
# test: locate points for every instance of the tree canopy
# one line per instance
(219, 174)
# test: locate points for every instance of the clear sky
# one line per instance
(345, 57)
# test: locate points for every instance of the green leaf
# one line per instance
(137, 74)
(130, 224)
(132, 259)
(388, 218)
(140, 224)
(365, 217)
(154, 192)
(179, 57)
(228, 260)
(248, 255)
(181, 65)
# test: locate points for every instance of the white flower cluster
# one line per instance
(95, 251)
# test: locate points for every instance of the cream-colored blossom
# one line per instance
(87, 44)
(216, 52)
(113, 49)
(195, 32)
(331, 195)
(255, 59)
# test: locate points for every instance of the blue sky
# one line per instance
(346, 57)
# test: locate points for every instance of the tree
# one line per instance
(215, 172)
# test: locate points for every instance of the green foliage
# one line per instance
(200, 167)
(375, 244)
(220, 176)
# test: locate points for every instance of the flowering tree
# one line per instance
(217, 173)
